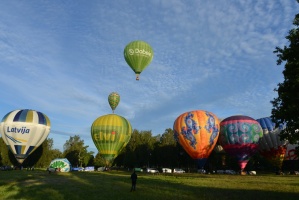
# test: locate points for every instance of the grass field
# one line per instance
(39, 185)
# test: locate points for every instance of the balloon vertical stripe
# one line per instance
(29, 117)
(19, 117)
(5, 117)
(30, 149)
(41, 118)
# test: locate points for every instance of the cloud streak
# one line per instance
(64, 59)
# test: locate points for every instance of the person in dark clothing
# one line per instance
(134, 179)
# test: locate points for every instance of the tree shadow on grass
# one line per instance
(39, 185)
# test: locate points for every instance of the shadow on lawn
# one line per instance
(94, 185)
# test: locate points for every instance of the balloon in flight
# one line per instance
(239, 137)
(271, 146)
(110, 134)
(138, 55)
(23, 131)
(197, 132)
(113, 100)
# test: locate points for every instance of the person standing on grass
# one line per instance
(134, 179)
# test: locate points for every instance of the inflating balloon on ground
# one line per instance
(271, 146)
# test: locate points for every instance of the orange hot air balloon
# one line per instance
(197, 132)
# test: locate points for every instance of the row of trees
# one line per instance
(144, 150)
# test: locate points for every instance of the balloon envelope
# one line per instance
(110, 134)
(113, 100)
(23, 131)
(239, 137)
(270, 146)
(291, 152)
(138, 55)
(62, 164)
(197, 132)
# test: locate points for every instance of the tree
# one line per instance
(4, 157)
(99, 161)
(166, 150)
(285, 106)
(48, 153)
(76, 152)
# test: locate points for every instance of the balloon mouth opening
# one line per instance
(137, 77)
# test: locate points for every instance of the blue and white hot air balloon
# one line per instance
(23, 131)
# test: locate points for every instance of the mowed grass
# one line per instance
(39, 185)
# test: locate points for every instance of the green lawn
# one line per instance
(39, 185)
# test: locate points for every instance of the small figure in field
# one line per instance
(134, 179)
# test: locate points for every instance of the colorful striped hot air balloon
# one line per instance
(271, 146)
(239, 137)
(197, 132)
(23, 131)
(113, 100)
(138, 54)
(110, 134)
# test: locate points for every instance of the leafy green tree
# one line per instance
(285, 106)
(99, 161)
(48, 153)
(4, 157)
(166, 150)
(76, 152)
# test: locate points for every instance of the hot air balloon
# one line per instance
(110, 134)
(197, 132)
(23, 131)
(113, 100)
(239, 137)
(138, 54)
(271, 147)
(291, 152)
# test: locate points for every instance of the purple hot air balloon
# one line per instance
(239, 137)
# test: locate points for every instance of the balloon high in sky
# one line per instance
(271, 146)
(197, 132)
(138, 54)
(23, 131)
(113, 100)
(110, 134)
(239, 137)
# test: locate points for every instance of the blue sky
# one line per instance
(64, 58)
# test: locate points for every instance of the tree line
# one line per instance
(143, 150)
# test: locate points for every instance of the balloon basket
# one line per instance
(137, 77)
(243, 173)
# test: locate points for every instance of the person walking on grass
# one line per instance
(134, 179)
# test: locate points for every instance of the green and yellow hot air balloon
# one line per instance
(110, 134)
(113, 100)
(138, 54)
